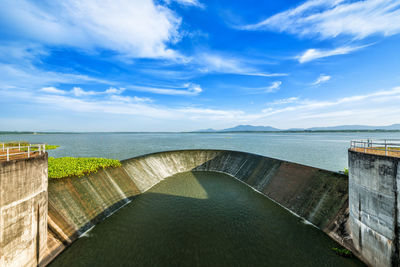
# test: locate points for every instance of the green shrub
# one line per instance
(343, 252)
(346, 171)
(77, 167)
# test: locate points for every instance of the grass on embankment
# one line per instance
(77, 167)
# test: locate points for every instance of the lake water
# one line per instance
(321, 150)
(203, 219)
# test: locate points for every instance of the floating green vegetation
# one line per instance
(343, 252)
(77, 167)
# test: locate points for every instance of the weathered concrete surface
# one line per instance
(374, 214)
(76, 204)
(23, 211)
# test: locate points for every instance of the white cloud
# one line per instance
(77, 91)
(113, 90)
(187, 89)
(129, 99)
(347, 110)
(313, 54)
(189, 3)
(135, 28)
(371, 98)
(379, 108)
(225, 64)
(53, 90)
(275, 86)
(285, 101)
(28, 76)
(126, 105)
(331, 18)
(321, 79)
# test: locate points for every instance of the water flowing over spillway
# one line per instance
(203, 219)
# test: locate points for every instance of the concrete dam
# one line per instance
(76, 205)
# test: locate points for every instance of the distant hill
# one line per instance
(251, 128)
(355, 127)
(209, 130)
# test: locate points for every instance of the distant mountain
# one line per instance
(251, 128)
(209, 130)
(355, 127)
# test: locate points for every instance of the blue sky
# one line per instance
(182, 65)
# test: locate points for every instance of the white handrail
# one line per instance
(387, 145)
(40, 148)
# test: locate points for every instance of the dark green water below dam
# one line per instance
(203, 219)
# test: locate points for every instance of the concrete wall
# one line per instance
(77, 204)
(374, 214)
(23, 211)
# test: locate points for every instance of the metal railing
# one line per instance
(8, 152)
(380, 146)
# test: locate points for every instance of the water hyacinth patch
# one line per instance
(78, 167)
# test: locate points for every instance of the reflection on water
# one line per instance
(203, 219)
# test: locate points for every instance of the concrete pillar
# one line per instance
(23, 211)
(374, 207)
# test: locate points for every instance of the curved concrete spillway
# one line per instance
(77, 204)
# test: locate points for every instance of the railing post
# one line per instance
(40, 151)
(365, 150)
(44, 148)
(29, 150)
(8, 154)
(386, 148)
(19, 146)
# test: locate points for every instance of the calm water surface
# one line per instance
(322, 150)
(203, 219)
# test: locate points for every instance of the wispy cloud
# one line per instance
(227, 64)
(275, 86)
(188, 89)
(53, 90)
(313, 54)
(285, 101)
(113, 90)
(77, 91)
(188, 3)
(331, 18)
(130, 99)
(321, 79)
(288, 112)
(303, 105)
(29, 76)
(125, 105)
(138, 28)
